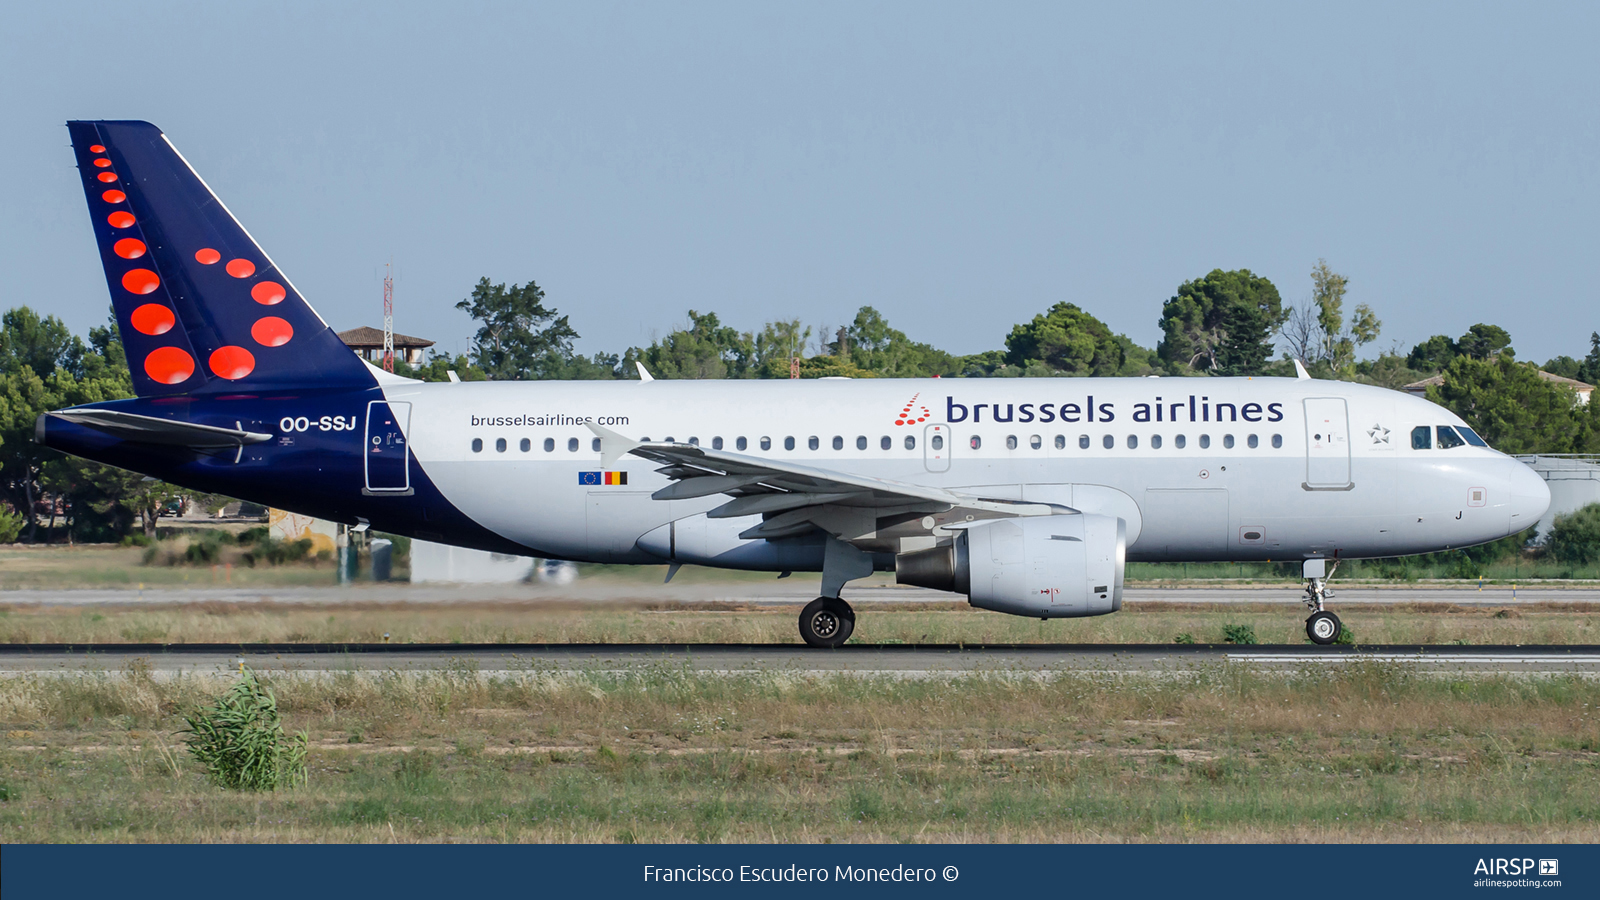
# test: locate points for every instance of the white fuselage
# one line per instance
(1215, 469)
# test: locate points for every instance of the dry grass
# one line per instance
(1365, 752)
(616, 623)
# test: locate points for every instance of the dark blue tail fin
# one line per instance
(201, 307)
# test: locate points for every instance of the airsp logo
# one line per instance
(1549, 867)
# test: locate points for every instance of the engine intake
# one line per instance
(1044, 567)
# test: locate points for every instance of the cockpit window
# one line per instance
(1448, 439)
(1471, 436)
(1422, 438)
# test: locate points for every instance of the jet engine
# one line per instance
(1045, 567)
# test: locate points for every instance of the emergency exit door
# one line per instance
(1327, 445)
(387, 449)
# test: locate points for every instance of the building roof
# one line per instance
(1576, 386)
(363, 338)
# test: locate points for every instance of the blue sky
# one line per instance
(959, 167)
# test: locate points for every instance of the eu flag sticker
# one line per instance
(599, 478)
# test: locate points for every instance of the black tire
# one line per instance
(827, 622)
(1323, 628)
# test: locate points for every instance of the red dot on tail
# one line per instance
(141, 281)
(271, 331)
(206, 256)
(97, 148)
(268, 293)
(169, 365)
(103, 163)
(120, 219)
(107, 177)
(129, 248)
(241, 268)
(232, 363)
(113, 196)
(153, 319)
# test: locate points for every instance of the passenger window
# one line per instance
(1179, 440)
(976, 442)
(694, 442)
(1108, 442)
(669, 439)
(1133, 442)
(500, 445)
(1011, 442)
(1061, 442)
(716, 443)
(572, 445)
(788, 443)
(888, 442)
(813, 442)
(936, 442)
(911, 442)
(766, 443)
(1035, 442)
(1083, 442)
(1277, 442)
(1252, 442)
(593, 445)
(1448, 439)
(1471, 436)
(838, 442)
(527, 445)
(549, 445)
(1227, 441)
(1155, 442)
(477, 445)
(1422, 438)
(740, 443)
(1205, 442)
(861, 442)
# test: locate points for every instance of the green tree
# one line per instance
(1221, 324)
(1433, 355)
(1067, 341)
(875, 347)
(704, 349)
(1513, 408)
(1339, 342)
(1484, 341)
(1575, 537)
(777, 343)
(518, 337)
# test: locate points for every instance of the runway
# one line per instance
(894, 659)
(786, 592)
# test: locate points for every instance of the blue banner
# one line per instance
(281, 872)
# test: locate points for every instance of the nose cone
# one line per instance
(1530, 496)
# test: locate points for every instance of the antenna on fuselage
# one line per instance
(1300, 371)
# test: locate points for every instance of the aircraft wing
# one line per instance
(793, 498)
(153, 430)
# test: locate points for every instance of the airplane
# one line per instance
(1029, 496)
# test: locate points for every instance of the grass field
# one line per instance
(952, 623)
(1364, 752)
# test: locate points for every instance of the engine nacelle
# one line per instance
(1046, 567)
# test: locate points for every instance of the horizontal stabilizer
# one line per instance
(151, 430)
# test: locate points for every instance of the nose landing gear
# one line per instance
(1322, 627)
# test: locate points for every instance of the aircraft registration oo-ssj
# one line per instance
(1027, 495)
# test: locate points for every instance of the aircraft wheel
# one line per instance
(827, 622)
(1323, 628)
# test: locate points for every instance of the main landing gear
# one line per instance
(827, 622)
(1322, 627)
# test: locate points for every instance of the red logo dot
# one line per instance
(103, 163)
(97, 148)
(153, 319)
(129, 248)
(241, 268)
(113, 196)
(120, 219)
(268, 293)
(899, 421)
(271, 331)
(232, 363)
(141, 281)
(169, 365)
(206, 256)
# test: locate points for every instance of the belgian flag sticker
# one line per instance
(599, 478)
